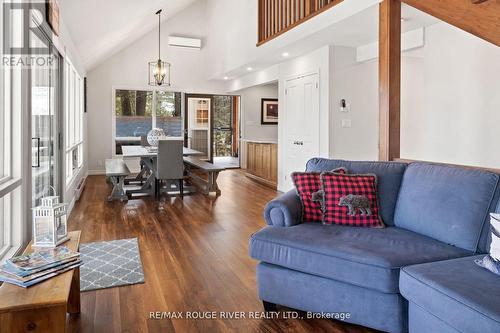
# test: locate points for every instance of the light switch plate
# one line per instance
(346, 123)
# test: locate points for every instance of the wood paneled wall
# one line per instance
(262, 162)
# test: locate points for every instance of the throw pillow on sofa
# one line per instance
(492, 261)
(350, 200)
(307, 184)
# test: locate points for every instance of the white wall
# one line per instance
(232, 35)
(128, 69)
(459, 119)
(357, 84)
(319, 61)
(449, 101)
(251, 127)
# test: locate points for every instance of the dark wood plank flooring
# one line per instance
(195, 258)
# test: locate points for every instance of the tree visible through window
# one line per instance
(223, 126)
(168, 112)
(133, 113)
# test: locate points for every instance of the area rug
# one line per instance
(110, 264)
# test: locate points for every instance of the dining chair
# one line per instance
(144, 141)
(170, 164)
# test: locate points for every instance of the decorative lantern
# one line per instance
(49, 222)
(159, 71)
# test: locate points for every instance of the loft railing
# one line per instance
(278, 16)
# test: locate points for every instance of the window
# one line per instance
(10, 210)
(138, 111)
(168, 112)
(73, 101)
(11, 164)
(201, 117)
(3, 124)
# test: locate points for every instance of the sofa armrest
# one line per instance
(284, 211)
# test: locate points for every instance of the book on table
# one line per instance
(30, 269)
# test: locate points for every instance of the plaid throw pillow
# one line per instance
(492, 261)
(306, 184)
(350, 200)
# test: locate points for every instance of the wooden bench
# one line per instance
(116, 171)
(42, 307)
(208, 185)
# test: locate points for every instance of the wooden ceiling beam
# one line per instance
(478, 17)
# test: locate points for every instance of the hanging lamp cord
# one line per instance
(159, 33)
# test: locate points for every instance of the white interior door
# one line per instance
(301, 124)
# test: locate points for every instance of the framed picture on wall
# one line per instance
(269, 111)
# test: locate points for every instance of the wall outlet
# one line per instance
(99, 162)
(346, 123)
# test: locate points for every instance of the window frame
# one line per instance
(73, 120)
(15, 101)
(154, 91)
(5, 120)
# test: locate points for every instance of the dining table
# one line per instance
(146, 176)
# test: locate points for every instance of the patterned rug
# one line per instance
(110, 264)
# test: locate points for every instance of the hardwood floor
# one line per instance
(195, 258)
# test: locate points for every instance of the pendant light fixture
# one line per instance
(159, 71)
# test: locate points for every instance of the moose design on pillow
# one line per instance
(355, 203)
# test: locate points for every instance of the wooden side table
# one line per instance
(42, 307)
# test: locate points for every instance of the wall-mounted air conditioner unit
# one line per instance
(191, 43)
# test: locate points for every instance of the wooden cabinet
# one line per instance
(262, 162)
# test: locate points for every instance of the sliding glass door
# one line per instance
(45, 121)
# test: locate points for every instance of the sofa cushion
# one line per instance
(350, 200)
(458, 292)
(365, 257)
(389, 175)
(307, 184)
(447, 203)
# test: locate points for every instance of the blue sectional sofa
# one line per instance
(417, 274)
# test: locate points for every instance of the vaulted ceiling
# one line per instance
(101, 28)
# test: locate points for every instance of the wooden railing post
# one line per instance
(260, 17)
(389, 80)
(278, 16)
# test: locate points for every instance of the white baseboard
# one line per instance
(96, 172)
(70, 206)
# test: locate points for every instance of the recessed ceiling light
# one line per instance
(285, 54)
(226, 78)
(249, 69)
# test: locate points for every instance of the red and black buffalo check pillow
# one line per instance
(350, 200)
(306, 184)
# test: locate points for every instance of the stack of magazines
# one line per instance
(33, 268)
